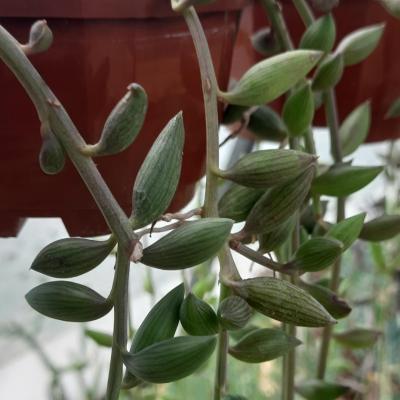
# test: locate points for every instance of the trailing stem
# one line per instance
(210, 89)
(53, 115)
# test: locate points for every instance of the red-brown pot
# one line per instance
(377, 78)
(100, 46)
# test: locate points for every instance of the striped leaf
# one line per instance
(343, 180)
(158, 177)
(318, 390)
(382, 228)
(197, 317)
(317, 254)
(271, 78)
(170, 360)
(189, 245)
(358, 45)
(277, 205)
(336, 307)
(68, 301)
(237, 202)
(282, 301)
(347, 231)
(266, 168)
(320, 35)
(71, 257)
(160, 324)
(234, 313)
(263, 345)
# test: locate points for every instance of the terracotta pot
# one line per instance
(101, 46)
(377, 78)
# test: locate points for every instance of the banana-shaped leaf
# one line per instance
(263, 345)
(358, 45)
(189, 245)
(347, 231)
(282, 301)
(158, 177)
(100, 338)
(160, 324)
(320, 35)
(67, 258)
(266, 124)
(343, 180)
(197, 317)
(237, 202)
(266, 168)
(317, 254)
(355, 128)
(383, 228)
(234, 313)
(170, 360)
(359, 338)
(68, 301)
(318, 390)
(271, 78)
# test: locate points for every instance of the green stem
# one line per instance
(51, 112)
(304, 11)
(210, 209)
(119, 296)
(273, 10)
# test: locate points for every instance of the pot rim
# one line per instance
(105, 9)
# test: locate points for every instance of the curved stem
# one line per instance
(51, 112)
(304, 11)
(210, 209)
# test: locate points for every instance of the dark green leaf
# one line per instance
(67, 258)
(383, 228)
(68, 301)
(170, 360)
(358, 338)
(320, 35)
(234, 313)
(318, 390)
(189, 245)
(263, 345)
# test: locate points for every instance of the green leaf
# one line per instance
(189, 245)
(272, 240)
(237, 202)
(298, 111)
(378, 256)
(123, 124)
(355, 128)
(266, 168)
(265, 42)
(383, 228)
(317, 254)
(336, 307)
(158, 177)
(197, 317)
(282, 301)
(233, 114)
(271, 78)
(263, 345)
(394, 110)
(358, 45)
(358, 338)
(234, 313)
(320, 35)
(52, 155)
(392, 7)
(277, 205)
(170, 360)
(318, 390)
(343, 180)
(347, 231)
(265, 123)
(68, 301)
(160, 324)
(71, 257)
(100, 338)
(329, 73)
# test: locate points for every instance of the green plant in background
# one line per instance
(276, 193)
